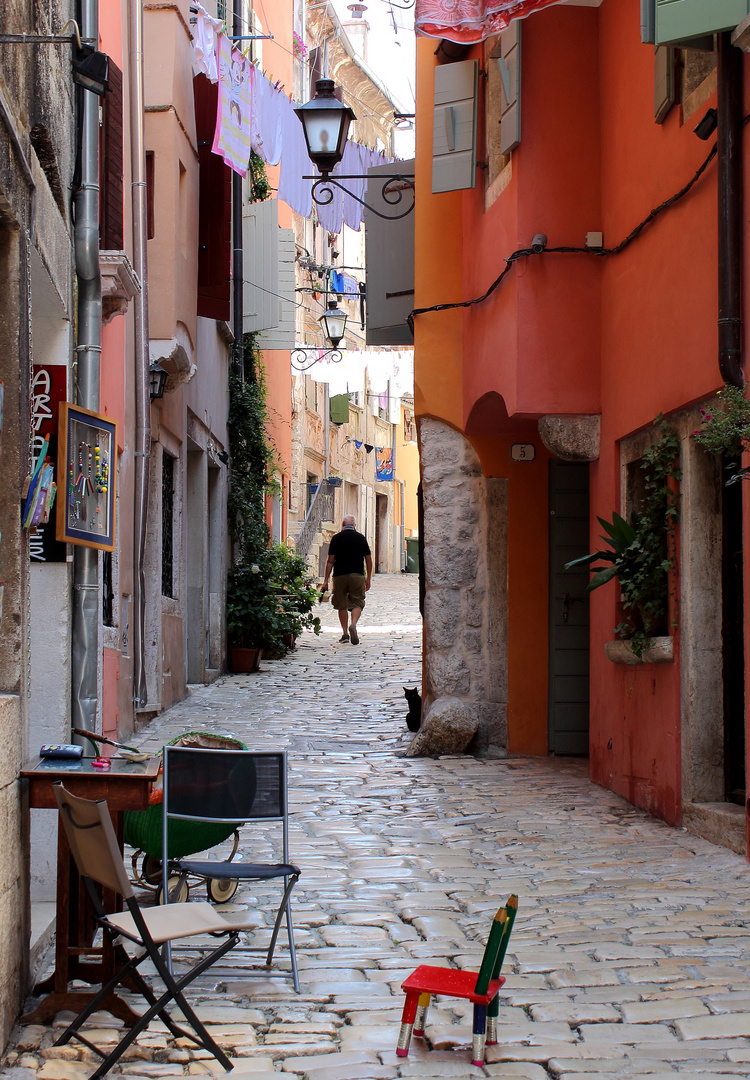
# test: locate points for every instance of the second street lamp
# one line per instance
(333, 321)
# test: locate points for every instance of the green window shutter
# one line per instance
(679, 20)
(339, 409)
(509, 63)
(454, 137)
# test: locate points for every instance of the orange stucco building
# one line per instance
(536, 403)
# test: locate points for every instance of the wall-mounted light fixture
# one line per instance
(157, 379)
(325, 122)
(333, 323)
(91, 69)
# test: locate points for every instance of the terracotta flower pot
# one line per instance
(245, 661)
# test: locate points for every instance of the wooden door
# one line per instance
(568, 706)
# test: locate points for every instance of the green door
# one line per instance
(568, 709)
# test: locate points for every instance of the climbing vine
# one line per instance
(252, 455)
(260, 188)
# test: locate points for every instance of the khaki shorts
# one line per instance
(348, 592)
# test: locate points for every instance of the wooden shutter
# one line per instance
(260, 230)
(648, 21)
(339, 409)
(389, 262)
(281, 336)
(509, 63)
(112, 179)
(679, 20)
(454, 135)
(214, 210)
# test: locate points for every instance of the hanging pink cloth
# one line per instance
(232, 138)
(467, 21)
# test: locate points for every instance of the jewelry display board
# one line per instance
(87, 451)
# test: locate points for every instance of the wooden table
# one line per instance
(125, 786)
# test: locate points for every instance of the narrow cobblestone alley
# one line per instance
(629, 956)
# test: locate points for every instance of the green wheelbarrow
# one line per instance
(143, 831)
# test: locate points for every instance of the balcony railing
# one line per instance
(321, 509)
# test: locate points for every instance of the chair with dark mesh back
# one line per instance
(239, 786)
(137, 934)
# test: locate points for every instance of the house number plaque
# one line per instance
(522, 451)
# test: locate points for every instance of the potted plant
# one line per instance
(725, 429)
(640, 554)
(269, 603)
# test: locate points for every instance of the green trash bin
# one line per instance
(412, 554)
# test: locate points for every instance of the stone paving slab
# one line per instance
(629, 957)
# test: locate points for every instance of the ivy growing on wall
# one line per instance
(252, 456)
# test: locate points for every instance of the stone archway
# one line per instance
(465, 610)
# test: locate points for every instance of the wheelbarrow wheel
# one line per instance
(221, 890)
(177, 889)
(151, 870)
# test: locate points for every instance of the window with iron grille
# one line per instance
(167, 517)
(107, 590)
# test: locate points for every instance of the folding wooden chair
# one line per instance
(93, 844)
(232, 786)
(480, 988)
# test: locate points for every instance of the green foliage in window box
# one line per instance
(725, 428)
(640, 553)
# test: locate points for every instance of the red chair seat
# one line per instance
(440, 980)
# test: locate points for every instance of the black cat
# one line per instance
(414, 715)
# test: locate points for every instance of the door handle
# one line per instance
(568, 602)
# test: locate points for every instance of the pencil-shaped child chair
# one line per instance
(480, 988)
(511, 908)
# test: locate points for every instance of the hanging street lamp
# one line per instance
(325, 122)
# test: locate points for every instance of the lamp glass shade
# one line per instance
(325, 122)
(334, 323)
(91, 71)
(157, 379)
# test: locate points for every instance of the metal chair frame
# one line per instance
(218, 870)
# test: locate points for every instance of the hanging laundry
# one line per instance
(351, 285)
(337, 281)
(232, 138)
(369, 448)
(330, 215)
(295, 163)
(353, 163)
(267, 118)
(204, 33)
(384, 463)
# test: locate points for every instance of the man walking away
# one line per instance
(348, 555)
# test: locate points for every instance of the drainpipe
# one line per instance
(730, 210)
(141, 349)
(237, 254)
(85, 615)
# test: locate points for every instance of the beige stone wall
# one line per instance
(465, 616)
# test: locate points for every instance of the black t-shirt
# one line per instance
(348, 549)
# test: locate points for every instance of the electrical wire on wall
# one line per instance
(539, 246)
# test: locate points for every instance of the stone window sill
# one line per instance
(659, 651)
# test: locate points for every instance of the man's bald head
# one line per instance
(349, 521)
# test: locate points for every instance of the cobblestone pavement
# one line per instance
(630, 954)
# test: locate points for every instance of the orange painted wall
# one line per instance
(629, 335)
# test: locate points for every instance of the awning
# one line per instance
(469, 21)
